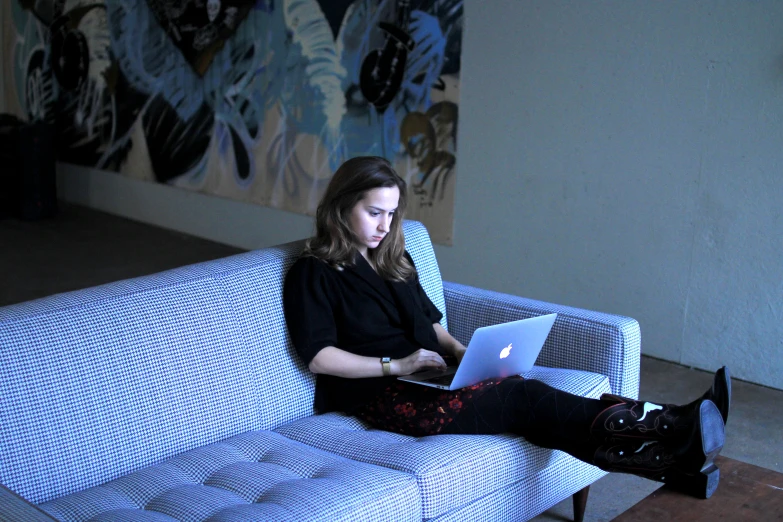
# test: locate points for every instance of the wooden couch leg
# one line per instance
(580, 502)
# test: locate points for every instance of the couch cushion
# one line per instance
(451, 470)
(101, 382)
(530, 496)
(254, 476)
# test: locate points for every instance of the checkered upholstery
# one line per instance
(452, 470)
(115, 400)
(530, 496)
(105, 381)
(580, 339)
(253, 283)
(254, 476)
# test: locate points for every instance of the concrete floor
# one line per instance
(83, 247)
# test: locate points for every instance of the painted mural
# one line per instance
(258, 101)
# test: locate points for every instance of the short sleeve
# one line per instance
(308, 310)
(429, 309)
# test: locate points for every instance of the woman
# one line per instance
(359, 318)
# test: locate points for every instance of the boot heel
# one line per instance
(713, 434)
(699, 485)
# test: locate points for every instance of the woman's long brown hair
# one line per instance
(335, 241)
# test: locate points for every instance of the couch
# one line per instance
(178, 396)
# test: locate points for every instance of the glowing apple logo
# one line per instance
(505, 352)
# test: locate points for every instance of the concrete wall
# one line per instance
(622, 156)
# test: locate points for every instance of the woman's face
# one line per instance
(372, 216)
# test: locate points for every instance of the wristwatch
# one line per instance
(386, 365)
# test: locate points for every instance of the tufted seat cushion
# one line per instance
(254, 476)
(451, 470)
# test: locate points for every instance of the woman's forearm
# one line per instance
(337, 362)
(334, 361)
(446, 341)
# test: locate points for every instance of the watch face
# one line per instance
(386, 359)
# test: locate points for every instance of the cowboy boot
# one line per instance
(655, 461)
(642, 420)
(650, 460)
(684, 462)
(646, 419)
(720, 393)
(639, 418)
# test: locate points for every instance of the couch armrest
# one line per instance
(15, 508)
(579, 340)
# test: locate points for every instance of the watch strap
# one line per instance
(386, 366)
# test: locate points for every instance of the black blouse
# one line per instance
(357, 311)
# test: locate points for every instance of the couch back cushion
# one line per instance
(104, 381)
(252, 283)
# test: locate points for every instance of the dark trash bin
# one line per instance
(28, 188)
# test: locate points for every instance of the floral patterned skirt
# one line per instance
(416, 410)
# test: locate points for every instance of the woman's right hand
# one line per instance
(419, 360)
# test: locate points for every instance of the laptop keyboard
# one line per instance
(444, 379)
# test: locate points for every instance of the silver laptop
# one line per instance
(494, 351)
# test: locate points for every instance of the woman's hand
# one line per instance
(449, 344)
(421, 359)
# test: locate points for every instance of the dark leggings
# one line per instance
(549, 418)
(544, 415)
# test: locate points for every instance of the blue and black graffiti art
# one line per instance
(346, 77)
